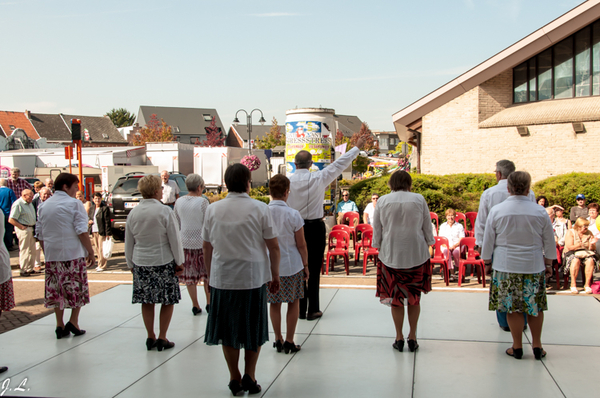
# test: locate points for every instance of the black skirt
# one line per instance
(156, 284)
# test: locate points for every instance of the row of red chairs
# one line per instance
(339, 245)
(468, 256)
(460, 218)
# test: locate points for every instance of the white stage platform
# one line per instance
(347, 353)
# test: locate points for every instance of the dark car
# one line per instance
(125, 196)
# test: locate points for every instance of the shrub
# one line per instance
(562, 189)
(264, 199)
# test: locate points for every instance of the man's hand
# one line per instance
(360, 142)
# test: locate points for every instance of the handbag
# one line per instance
(107, 248)
(583, 253)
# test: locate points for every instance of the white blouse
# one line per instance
(453, 233)
(287, 221)
(60, 222)
(152, 235)
(189, 211)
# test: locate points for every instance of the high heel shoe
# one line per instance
(235, 387)
(539, 353)
(517, 353)
(164, 344)
(196, 310)
(412, 345)
(150, 343)
(291, 347)
(277, 344)
(71, 328)
(398, 345)
(60, 332)
(251, 386)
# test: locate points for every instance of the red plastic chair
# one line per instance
(435, 217)
(353, 219)
(467, 246)
(340, 227)
(471, 216)
(461, 217)
(360, 228)
(339, 241)
(557, 264)
(439, 258)
(368, 251)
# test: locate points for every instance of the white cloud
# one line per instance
(276, 14)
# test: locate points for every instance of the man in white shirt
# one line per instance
(307, 191)
(170, 190)
(490, 198)
(370, 209)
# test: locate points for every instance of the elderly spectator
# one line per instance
(99, 228)
(560, 229)
(154, 254)
(7, 198)
(49, 184)
(44, 195)
(238, 278)
(7, 296)
(170, 191)
(17, 184)
(580, 249)
(370, 209)
(454, 232)
(344, 206)
(23, 217)
(542, 201)
(62, 232)
(519, 236)
(293, 266)
(402, 232)
(189, 211)
(593, 214)
(580, 210)
(86, 203)
(559, 213)
(37, 186)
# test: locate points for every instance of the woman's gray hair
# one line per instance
(519, 183)
(149, 185)
(193, 182)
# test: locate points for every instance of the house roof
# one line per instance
(57, 127)
(16, 120)
(185, 121)
(258, 131)
(348, 125)
(550, 34)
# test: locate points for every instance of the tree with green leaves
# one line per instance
(272, 139)
(154, 131)
(121, 117)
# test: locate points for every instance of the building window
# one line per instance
(207, 117)
(568, 69)
(383, 142)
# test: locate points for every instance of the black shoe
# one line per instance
(505, 328)
(25, 274)
(314, 315)
(539, 353)
(302, 316)
(278, 345)
(164, 344)
(398, 345)
(517, 353)
(412, 345)
(525, 328)
(251, 386)
(207, 308)
(71, 328)
(291, 347)
(150, 343)
(235, 387)
(196, 310)
(60, 332)
(3, 369)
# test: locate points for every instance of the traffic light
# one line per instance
(76, 129)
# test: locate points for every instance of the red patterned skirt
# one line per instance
(66, 284)
(194, 270)
(290, 289)
(7, 296)
(396, 285)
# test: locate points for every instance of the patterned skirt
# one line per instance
(66, 284)
(291, 288)
(394, 286)
(238, 318)
(194, 270)
(7, 296)
(156, 284)
(569, 257)
(524, 293)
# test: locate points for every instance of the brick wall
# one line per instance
(452, 142)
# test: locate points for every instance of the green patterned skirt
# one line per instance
(524, 293)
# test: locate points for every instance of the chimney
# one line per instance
(28, 114)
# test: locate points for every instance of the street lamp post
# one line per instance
(249, 120)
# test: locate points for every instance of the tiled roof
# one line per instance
(18, 120)
(51, 127)
(57, 127)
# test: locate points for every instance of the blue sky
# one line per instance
(364, 58)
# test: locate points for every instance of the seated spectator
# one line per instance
(344, 206)
(559, 213)
(579, 248)
(453, 231)
(370, 209)
(542, 201)
(37, 186)
(580, 210)
(560, 229)
(593, 214)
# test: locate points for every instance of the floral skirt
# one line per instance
(291, 288)
(156, 284)
(394, 286)
(238, 318)
(569, 259)
(524, 293)
(7, 296)
(194, 270)
(66, 284)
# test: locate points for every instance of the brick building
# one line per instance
(536, 103)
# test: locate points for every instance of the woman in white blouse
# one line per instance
(189, 211)
(454, 232)
(519, 237)
(62, 230)
(154, 254)
(7, 296)
(403, 233)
